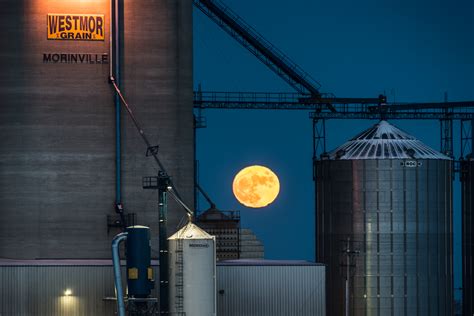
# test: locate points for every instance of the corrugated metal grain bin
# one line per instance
(390, 195)
(192, 272)
(270, 288)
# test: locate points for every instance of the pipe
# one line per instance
(472, 139)
(178, 200)
(118, 136)
(206, 196)
(117, 273)
(171, 189)
(114, 72)
(347, 275)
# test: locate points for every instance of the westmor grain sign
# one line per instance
(89, 27)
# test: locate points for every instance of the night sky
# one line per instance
(411, 50)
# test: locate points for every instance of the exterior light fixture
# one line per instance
(68, 292)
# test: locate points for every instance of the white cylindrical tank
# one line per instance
(192, 277)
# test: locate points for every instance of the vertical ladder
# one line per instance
(179, 274)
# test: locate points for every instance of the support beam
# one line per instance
(467, 138)
(447, 137)
(406, 115)
(319, 138)
(254, 42)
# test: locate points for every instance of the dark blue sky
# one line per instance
(410, 50)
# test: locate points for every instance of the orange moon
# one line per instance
(256, 186)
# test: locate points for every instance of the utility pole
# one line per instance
(348, 252)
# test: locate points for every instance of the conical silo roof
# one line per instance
(385, 141)
(191, 231)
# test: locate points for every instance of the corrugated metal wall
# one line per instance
(39, 290)
(398, 216)
(271, 290)
(241, 290)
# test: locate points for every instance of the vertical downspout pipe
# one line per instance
(117, 273)
(114, 72)
(118, 136)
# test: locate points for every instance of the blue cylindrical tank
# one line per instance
(139, 272)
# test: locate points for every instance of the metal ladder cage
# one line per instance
(179, 275)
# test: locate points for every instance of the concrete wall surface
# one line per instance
(57, 121)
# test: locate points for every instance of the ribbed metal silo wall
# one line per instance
(57, 121)
(398, 215)
(467, 191)
(192, 276)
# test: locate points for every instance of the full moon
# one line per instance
(256, 186)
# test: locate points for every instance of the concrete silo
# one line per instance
(57, 121)
(384, 210)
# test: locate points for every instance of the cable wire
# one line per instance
(171, 189)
